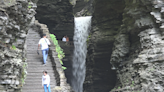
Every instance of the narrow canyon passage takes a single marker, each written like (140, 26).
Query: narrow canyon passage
(124, 35)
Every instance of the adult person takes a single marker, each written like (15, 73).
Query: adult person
(64, 39)
(44, 42)
(67, 38)
(46, 82)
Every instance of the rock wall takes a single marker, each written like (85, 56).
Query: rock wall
(106, 21)
(129, 35)
(138, 50)
(83, 7)
(15, 18)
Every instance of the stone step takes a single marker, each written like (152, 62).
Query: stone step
(33, 52)
(33, 55)
(29, 42)
(32, 45)
(33, 36)
(35, 90)
(52, 78)
(40, 66)
(38, 77)
(38, 63)
(32, 40)
(32, 32)
(39, 71)
(38, 81)
(36, 86)
(37, 60)
(36, 38)
(37, 57)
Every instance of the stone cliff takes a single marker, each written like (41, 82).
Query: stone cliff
(128, 36)
(15, 18)
(138, 49)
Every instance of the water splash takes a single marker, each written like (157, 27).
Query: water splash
(82, 28)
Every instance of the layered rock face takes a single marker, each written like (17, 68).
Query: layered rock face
(129, 34)
(15, 17)
(106, 21)
(138, 50)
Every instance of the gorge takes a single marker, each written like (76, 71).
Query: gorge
(124, 45)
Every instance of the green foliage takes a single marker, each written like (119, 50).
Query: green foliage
(88, 38)
(24, 71)
(29, 5)
(59, 50)
(61, 62)
(133, 82)
(13, 47)
(64, 67)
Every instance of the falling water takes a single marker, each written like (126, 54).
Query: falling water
(82, 28)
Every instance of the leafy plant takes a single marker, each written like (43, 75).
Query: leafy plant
(29, 6)
(59, 50)
(88, 38)
(24, 72)
(64, 67)
(13, 47)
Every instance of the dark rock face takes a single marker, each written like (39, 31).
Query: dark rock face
(57, 15)
(107, 18)
(83, 8)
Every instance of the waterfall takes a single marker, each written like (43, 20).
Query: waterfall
(82, 28)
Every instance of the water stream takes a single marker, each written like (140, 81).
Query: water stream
(82, 28)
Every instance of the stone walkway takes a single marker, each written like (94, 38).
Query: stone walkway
(35, 67)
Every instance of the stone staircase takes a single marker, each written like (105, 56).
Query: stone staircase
(35, 68)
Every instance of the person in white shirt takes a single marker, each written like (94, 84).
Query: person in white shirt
(44, 42)
(64, 39)
(46, 82)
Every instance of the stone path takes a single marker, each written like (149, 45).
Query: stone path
(35, 67)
